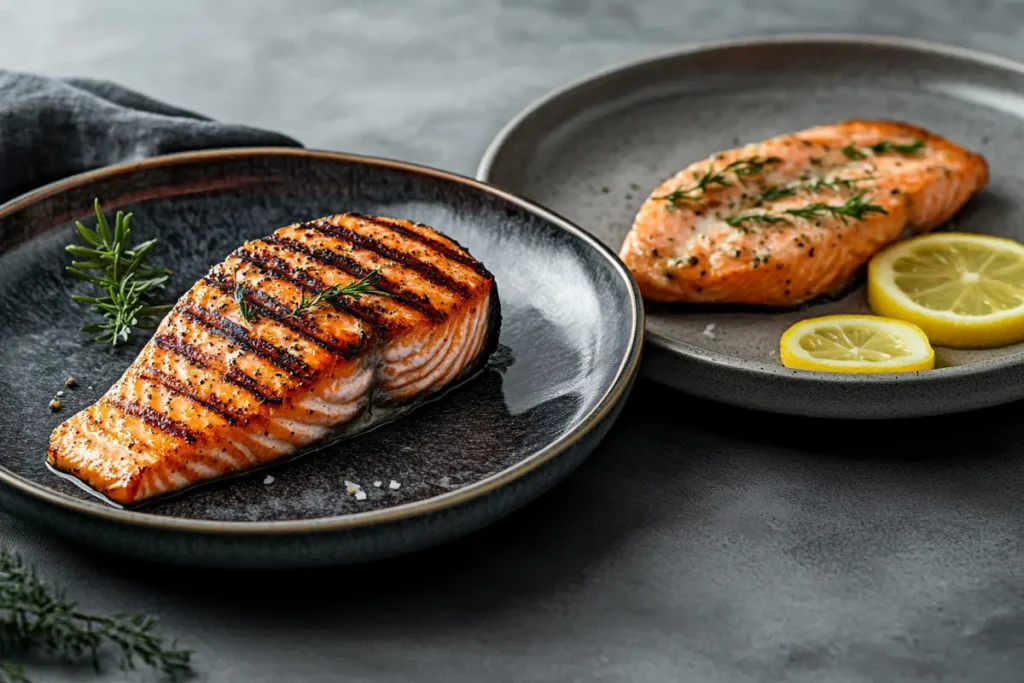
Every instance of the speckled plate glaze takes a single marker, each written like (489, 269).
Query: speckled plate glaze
(594, 150)
(568, 352)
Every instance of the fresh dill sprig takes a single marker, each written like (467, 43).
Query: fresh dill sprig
(836, 184)
(243, 306)
(37, 616)
(701, 184)
(749, 167)
(741, 169)
(779, 192)
(355, 290)
(122, 273)
(767, 218)
(814, 185)
(889, 146)
(854, 207)
(854, 154)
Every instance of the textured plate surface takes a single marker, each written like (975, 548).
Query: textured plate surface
(568, 352)
(594, 150)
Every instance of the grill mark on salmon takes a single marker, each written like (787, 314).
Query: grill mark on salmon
(349, 266)
(233, 376)
(266, 306)
(437, 246)
(157, 420)
(240, 337)
(429, 271)
(280, 268)
(213, 393)
(705, 248)
(178, 387)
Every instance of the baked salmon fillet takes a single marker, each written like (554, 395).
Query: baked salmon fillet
(785, 220)
(251, 365)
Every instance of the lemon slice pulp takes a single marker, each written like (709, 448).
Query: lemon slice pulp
(856, 343)
(963, 290)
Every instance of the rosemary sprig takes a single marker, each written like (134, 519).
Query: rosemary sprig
(854, 207)
(243, 306)
(37, 616)
(355, 290)
(741, 169)
(122, 273)
(854, 154)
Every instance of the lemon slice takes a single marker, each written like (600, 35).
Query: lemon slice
(963, 290)
(856, 343)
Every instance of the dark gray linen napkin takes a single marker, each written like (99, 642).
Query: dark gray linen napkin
(54, 128)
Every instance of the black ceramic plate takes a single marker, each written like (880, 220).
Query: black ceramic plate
(593, 150)
(568, 353)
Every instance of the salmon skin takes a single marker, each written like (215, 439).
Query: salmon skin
(246, 369)
(785, 220)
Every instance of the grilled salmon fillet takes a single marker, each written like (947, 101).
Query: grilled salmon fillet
(235, 377)
(785, 220)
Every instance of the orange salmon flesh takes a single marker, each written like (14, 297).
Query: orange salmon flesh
(213, 394)
(785, 220)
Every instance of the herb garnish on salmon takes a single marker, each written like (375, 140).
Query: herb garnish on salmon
(821, 203)
(321, 330)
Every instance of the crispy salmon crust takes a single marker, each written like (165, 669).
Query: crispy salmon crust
(787, 222)
(213, 393)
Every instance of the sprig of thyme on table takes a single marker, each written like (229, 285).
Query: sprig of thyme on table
(35, 616)
(741, 169)
(122, 272)
(355, 290)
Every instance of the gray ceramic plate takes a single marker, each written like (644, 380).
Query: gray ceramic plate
(568, 352)
(592, 152)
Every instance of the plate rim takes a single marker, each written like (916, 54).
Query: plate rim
(752, 368)
(615, 393)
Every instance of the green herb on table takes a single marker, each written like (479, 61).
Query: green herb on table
(128, 282)
(37, 617)
(741, 169)
(355, 290)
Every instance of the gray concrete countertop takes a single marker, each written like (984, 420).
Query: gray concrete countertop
(700, 543)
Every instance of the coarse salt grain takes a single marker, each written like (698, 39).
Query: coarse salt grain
(268, 480)
(377, 484)
(60, 393)
(709, 331)
(360, 495)
(394, 485)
